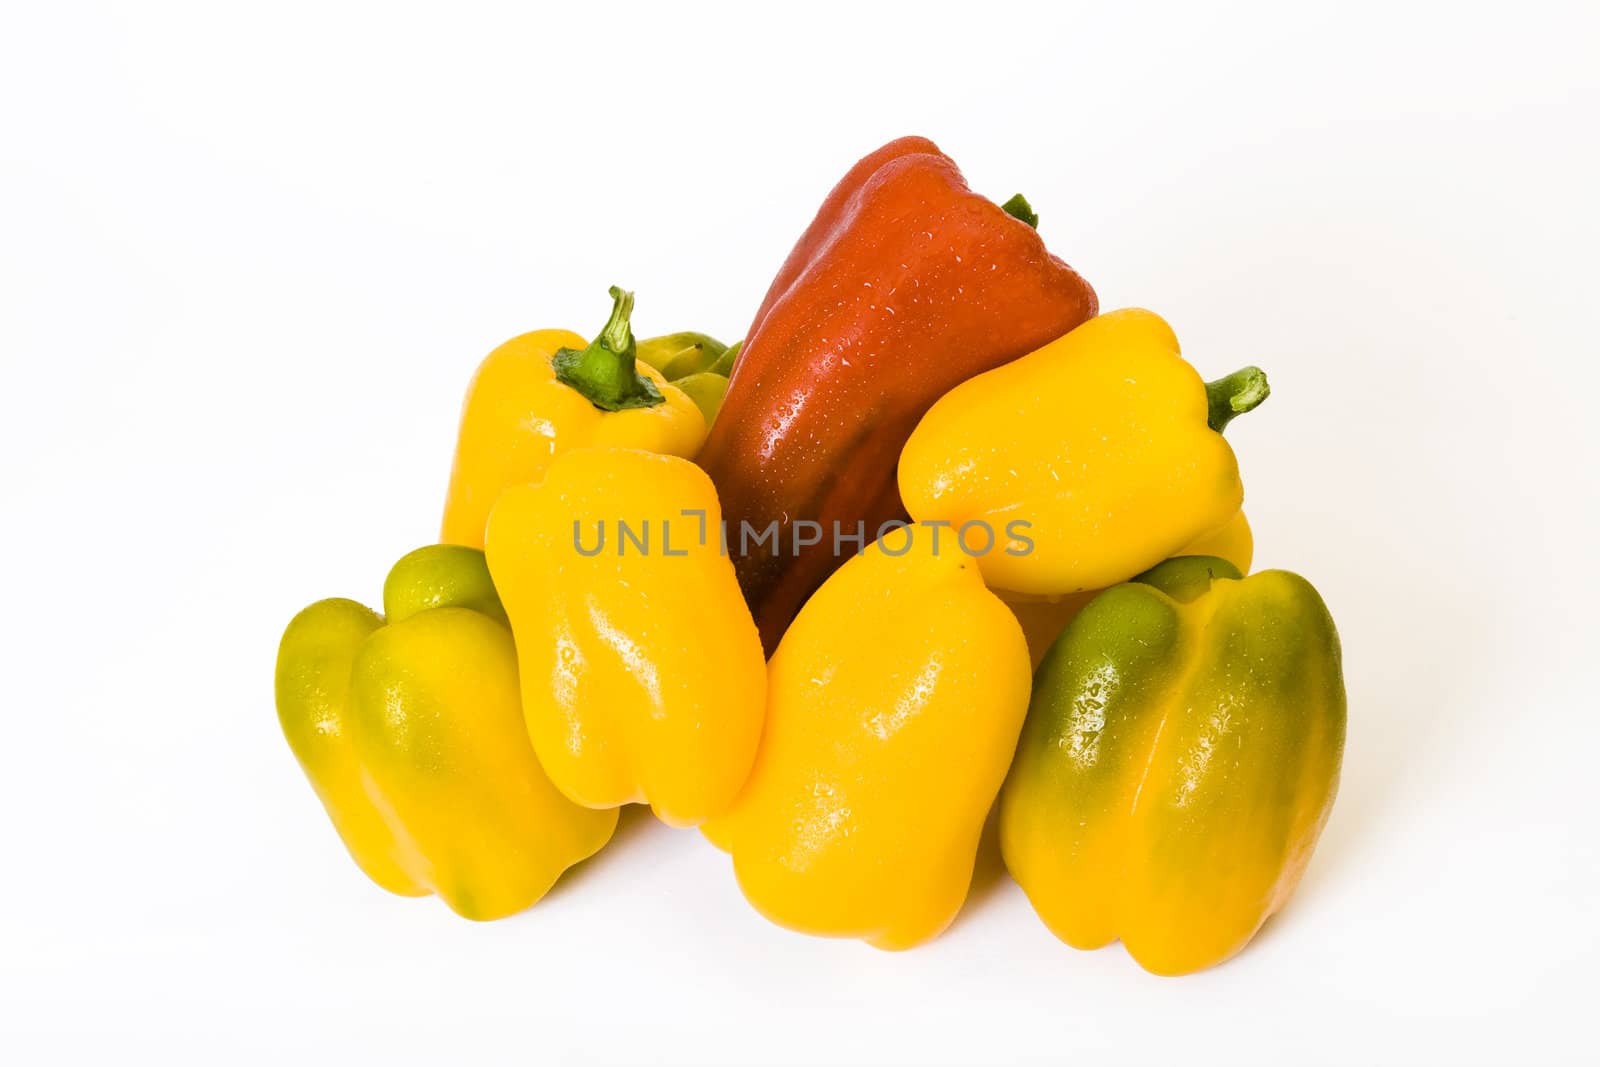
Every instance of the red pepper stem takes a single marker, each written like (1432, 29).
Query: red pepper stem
(607, 372)
(1235, 394)
(1019, 208)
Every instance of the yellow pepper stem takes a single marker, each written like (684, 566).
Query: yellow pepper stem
(607, 372)
(1235, 394)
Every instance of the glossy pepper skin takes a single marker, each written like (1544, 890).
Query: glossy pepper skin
(1044, 617)
(1105, 443)
(410, 732)
(1181, 755)
(893, 707)
(642, 674)
(905, 284)
(542, 393)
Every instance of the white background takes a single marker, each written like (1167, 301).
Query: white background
(248, 260)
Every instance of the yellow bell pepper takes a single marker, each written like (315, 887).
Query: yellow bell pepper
(1093, 459)
(1043, 618)
(1233, 541)
(893, 706)
(542, 393)
(1180, 757)
(642, 672)
(410, 732)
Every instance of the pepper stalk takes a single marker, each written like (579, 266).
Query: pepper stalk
(607, 372)
(1235, 394)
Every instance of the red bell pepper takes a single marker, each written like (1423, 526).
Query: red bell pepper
(906, 284)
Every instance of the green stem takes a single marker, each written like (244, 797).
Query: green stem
(1239, 392)
(1019, 208)
(607, 372)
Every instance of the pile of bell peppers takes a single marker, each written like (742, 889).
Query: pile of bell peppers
(998, 566)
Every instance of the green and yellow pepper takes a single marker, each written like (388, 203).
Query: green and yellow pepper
(696, 363)
(409, 729)
(642, 673)
(1093, 458)
(678, 355)
(542, 393)
(1180, 757)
